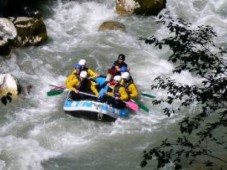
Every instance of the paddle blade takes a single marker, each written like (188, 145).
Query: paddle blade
(54, 92)
(148, 95)
(141, 105)
(58, 88)
(132, 106)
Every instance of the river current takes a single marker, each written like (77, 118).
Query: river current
(36, 134)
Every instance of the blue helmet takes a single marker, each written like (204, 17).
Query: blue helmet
(77, 66)
(124, 69)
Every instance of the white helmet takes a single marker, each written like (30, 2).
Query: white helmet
(117, 78)
(125, 75)
(82, 62)
(83, 74)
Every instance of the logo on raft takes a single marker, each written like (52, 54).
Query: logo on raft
(95, 107)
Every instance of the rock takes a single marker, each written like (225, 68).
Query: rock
(29, 88)
(7, 32)
(9, 84)
(139, 7)
(112, 25)
(4, 48)
(30, 31)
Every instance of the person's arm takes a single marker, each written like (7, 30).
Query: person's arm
(124, 95)
(117, 68)
(110, 91)
(116, 65)
(92, 74)
(71, 82)
(133, 91)
(94, 89)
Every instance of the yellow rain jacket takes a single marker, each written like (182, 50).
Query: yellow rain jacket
(119, 91)
(73, 82)
(131, 89)
(90, 72)
(76, 71)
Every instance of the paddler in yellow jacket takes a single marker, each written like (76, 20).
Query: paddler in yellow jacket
(77, 69)
(79, 83)
(81, 66)
(118, 94)
(129, 85)
(90, 72)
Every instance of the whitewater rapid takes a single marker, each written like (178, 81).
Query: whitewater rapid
(35, 134)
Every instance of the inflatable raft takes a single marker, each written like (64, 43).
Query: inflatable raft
(93, 110)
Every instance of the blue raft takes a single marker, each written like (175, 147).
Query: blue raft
(94, 110)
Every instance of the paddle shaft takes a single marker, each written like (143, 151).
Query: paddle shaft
(148, 95)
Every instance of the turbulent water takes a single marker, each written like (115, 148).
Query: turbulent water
(35, 133)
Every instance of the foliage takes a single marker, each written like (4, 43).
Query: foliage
(193, 50)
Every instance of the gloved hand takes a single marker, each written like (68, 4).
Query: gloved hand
(117, 98)
(76, 91)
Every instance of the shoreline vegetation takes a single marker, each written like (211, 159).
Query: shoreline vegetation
(203, 133)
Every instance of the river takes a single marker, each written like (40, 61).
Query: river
(36, 134)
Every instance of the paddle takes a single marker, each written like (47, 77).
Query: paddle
(57, 87)
(141, 105)
(147, 95)
(56, 92)
(132, 105)
(129, 104)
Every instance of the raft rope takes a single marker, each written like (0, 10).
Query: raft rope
(99, 108)
(100, 115)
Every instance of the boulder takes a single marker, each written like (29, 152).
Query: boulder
(139, 7)
(112, 25)
(9, 84)
(30, 31)
(7, 33)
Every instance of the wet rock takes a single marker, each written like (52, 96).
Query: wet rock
(112, 25)
(9, 84)
(29, 88)
(30, 31)
(139, 7)
(7, 33)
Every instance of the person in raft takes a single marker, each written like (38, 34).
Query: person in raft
(91, 73)
(117, 68)
(117, 94)
(127, 82)
(81, 83)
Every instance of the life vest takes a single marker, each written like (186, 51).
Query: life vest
(116, 63)
(126, 85)
(84, 85)
(116, 90)
(85, 69)
(113, 70)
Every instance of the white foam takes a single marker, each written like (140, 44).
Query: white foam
(36, 128)
(22, 153)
